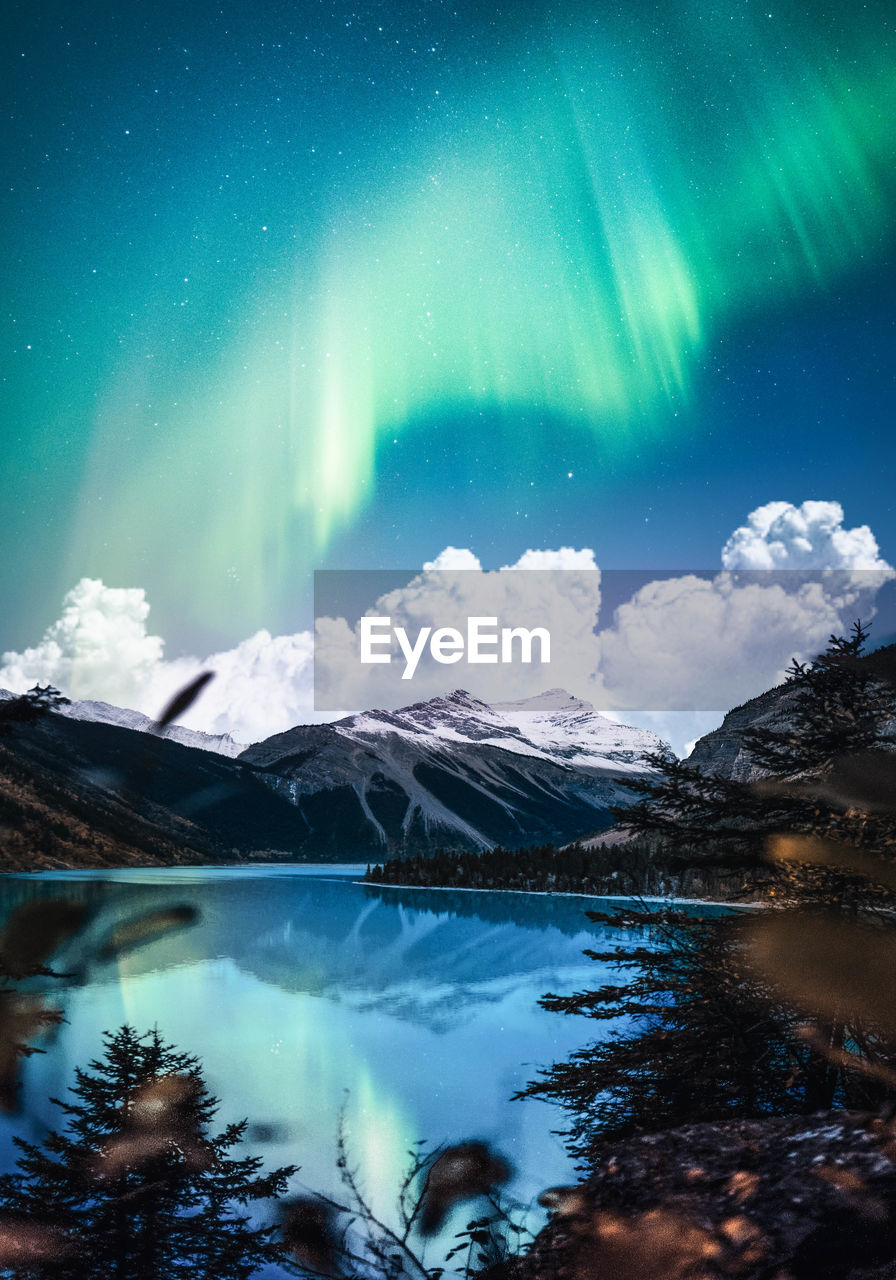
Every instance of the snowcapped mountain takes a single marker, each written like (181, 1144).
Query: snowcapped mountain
(449, 773)
(105, 713)
(555, 726)
(456, 771)
(565, 727)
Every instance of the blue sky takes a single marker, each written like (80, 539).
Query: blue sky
(302, 286)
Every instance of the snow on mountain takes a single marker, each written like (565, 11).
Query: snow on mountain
(452, 772)
(568, 728)
(105, 713)
(554, 726)
(455, 771)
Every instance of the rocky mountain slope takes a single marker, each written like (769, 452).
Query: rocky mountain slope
(80, 793)
(457, 771)
(94, 788)
(722, 751)
(105, 713)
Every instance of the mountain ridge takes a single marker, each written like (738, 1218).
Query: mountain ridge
(452, 770)
(455, 768)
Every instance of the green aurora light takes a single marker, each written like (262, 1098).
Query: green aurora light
(572, 243)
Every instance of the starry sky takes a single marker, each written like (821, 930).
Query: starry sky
(309, 285)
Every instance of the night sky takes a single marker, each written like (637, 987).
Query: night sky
(319, 285)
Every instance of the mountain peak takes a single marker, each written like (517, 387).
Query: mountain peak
(124, 718)
(556, 699)
(454, 771)
(553, 726)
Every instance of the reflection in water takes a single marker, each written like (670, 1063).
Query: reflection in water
(414, 1011)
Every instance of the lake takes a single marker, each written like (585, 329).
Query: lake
(308, 996)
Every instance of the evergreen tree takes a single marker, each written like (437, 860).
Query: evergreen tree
(841, 707)
(703, 1042)
(133, 1186)
(29, 707)
(708, 1040)
(836, 707)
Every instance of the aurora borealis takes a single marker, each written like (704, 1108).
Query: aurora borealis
(290, 286)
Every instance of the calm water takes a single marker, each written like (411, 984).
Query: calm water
(306, 994)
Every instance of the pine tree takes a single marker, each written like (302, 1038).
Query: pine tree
(841, 707)
(30, 707)
(700, 1041)
(133, 1186)
(710, 1039)
(837, 707)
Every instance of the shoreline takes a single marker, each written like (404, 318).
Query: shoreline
(349, 871)
(568, 893)
(346, 870)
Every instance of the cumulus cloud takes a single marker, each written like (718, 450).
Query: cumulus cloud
(779, 535)
(454, 558)
(530, 594)
(693, 643)
(100, 649)
(263, 686)
(791, 577)
(682, 647)
(563, 558)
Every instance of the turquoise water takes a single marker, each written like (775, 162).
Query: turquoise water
(307, 995)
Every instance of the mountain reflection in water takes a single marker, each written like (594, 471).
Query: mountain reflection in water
(306, 995)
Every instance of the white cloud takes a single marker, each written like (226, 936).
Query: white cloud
(100, 649)
(454, 558)
(563, 558)
(779, 535)
(792, 576)
(261, 687)
(99, 644)
(681, 647)
(529, 594)
(692, 643)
